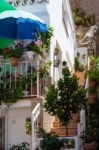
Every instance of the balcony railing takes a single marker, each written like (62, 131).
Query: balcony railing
(25, 2)
(27, 73)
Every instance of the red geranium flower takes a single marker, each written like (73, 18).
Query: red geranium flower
(7, 50)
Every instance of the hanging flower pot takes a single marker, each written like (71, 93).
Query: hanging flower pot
(56, 62)
(14, 61)
(30, 55)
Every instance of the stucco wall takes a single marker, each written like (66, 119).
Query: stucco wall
(66, 43)
(15, 132)
(51, 13)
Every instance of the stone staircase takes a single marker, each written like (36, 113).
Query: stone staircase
(72, 126)
(61, 130)
(34, 102)
(81, 76)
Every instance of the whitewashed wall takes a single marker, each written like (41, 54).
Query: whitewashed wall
(16, 126)
(51, 13)
(66, 43)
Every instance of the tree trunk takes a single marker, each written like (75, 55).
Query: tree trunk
(66, 130)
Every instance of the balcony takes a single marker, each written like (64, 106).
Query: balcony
(26, 74)
(26, 2)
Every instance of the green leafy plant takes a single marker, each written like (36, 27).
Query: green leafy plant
(44, 68)
(50, 141)
(65, 99)
(80, 17)
(93, 73)
(43, 47)
(69, 143)
(78, 65)
(17, 52)
(22, 146)
(28, 125)
(10, 91)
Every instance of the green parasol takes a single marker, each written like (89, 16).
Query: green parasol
(4, 42)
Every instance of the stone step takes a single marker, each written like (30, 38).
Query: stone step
(62, 131)
(72, 124)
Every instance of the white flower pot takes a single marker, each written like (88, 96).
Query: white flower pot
(30, 55)
(26, 93)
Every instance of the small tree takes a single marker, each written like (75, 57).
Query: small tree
(65, 99)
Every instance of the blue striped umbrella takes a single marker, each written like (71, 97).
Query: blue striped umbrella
(17, 24)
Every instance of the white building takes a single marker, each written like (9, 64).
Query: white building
(56, 13)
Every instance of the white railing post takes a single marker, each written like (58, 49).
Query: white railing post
(34, 116)
(38, 78)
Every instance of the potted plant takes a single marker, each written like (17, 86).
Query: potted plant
(78, 65)
(66, 99)
(50, 141)
(28, 125)
(89, 135)
(15, 55)
(22, 146)
(92, 95)
(10, 91)
(88, 140)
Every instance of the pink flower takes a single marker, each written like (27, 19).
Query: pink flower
(38, 42)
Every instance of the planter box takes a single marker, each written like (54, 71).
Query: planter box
(92, 98)
(89, 146)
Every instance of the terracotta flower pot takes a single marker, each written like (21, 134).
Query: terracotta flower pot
(92, 84)
(14, 61)
(89, 146)
(30, 55)
(92, 98)
(34, 90)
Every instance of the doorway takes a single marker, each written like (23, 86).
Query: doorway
(2, 133)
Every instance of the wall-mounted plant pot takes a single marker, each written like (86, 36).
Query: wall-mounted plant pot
(56, 51)
(14, 61)
(78, 54)
(56, 62)
(92, 98)
(30, 55)
(64, 63)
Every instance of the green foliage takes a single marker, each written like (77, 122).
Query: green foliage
(17, 52)
(22, 146)
(50, 141)
(89, 134)
(80, 18)
(92, 90)
(69, 143)
(45, 37)
(78, 66)
(10, 92)
(28, 125)
(94, 71)
(44, 68)
(65, 99)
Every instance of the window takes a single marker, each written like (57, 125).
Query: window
(64, 17)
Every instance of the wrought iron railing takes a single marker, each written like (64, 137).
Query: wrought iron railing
(25, 2)
(28, 74)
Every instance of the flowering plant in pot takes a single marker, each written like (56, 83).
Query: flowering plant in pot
(88, 136)
(13, 54)
(42, 42)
